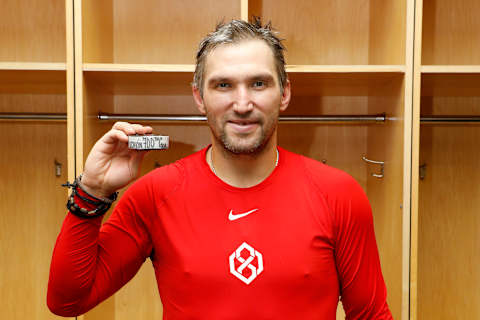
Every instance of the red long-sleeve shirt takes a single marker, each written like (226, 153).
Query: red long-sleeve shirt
(286, 248)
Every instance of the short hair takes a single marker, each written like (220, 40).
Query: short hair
(234, 32)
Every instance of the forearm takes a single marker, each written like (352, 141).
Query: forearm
(89, 264)
(74, 261)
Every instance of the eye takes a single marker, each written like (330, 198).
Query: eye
(259, 84)
(223, 85)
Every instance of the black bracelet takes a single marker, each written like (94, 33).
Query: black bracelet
(109, 199)
(102, 205)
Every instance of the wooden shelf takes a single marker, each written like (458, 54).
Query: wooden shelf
(346, 68)
(119, 67)
(450, 69)
(40, 66)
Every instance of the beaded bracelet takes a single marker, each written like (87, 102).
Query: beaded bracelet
(102, 204)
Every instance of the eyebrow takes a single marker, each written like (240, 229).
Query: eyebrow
(262, 76)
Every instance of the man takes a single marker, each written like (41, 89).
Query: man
(241, 229)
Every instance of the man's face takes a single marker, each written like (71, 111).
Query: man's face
(242, 96)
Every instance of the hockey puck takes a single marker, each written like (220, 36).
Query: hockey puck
(148, 142)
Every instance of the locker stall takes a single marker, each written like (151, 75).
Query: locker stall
(34, 159)
(411, 66)
(446, 193)
(345, 58)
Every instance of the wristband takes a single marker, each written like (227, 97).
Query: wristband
(102, 205)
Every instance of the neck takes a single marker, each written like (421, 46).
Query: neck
(242, 170)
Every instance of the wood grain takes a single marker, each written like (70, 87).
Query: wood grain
(385, 143)
(451, 32)
(158, 32)
(32, 31)
(32, 91)
(448, 223)
(346, 32)
(417, 54)
(32, 206)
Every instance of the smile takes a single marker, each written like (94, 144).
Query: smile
(242, 126)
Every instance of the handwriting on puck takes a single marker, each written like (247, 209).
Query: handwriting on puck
(148, 142)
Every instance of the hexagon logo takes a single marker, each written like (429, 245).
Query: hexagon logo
(246, 263)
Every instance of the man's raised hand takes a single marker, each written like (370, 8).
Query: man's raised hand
(110, 164)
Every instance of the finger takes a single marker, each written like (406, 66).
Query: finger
(148, 129)
(125, 127)
(139, 129)
(114, 135)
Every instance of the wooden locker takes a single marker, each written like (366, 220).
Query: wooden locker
(445, 193)
(344, 58)
(36, 155)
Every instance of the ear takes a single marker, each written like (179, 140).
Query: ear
(198, 100)
(285, 100)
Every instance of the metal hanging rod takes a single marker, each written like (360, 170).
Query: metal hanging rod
(197, 118)
(381, 118)
(449, 119)
(33, 116)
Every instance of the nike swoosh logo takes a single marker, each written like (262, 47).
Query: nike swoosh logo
(233, 217)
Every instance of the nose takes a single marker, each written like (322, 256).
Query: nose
(242, 100)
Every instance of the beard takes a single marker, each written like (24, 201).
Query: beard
(251, 143)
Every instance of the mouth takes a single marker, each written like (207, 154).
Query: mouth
(243, 125)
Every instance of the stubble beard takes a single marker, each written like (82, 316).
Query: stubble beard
(243, 146)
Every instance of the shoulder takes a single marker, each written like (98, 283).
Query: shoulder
(341, 192)
(167, 179)
(327, 179)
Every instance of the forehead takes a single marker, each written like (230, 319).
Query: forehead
(240, 58)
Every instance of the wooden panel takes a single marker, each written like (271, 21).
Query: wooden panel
(33, 91)
(70, 88)
(385, 143)
(387, 32)
(417, 54)
(32, 30)
(408, 153)
(32, 206)
(451, 32)
(97, 18)
(450, 85)
(139, 299)
(337, 32)
(449, 198)
(154, 32)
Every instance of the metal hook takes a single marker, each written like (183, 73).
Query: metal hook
(324, 161)
(382, 165)
(423, 171)
(58, 168)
